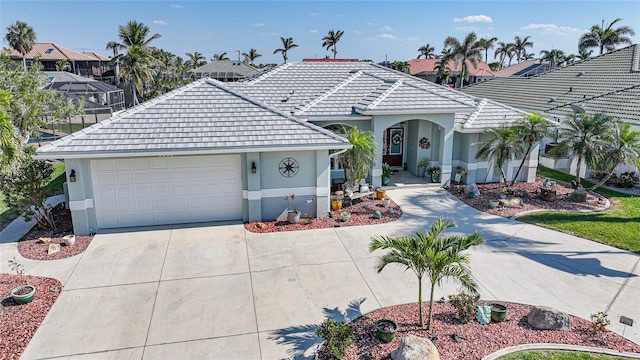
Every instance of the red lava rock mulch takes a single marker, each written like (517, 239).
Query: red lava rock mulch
(476, 341)
(360, 215)
(29, 248)
(20, 322)
(530, 199)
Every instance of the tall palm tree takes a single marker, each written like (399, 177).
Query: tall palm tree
(585, 138)
(252, 55)
(115, 47)
(331, 41)
(427, 51)
(520, 46)
(443, 70)
(529, 131)
(487, 44)
(623, 147)
(357, 161)
(219, 57)
(427, 253)
(137, 67)
(196, 60)
(500, 147)
(287, 44)
(136, 34)
(606, 38)
(467, 50)
(504, 50)
(21, 38)
(555, 57)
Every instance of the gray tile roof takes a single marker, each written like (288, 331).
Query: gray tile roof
(608, 84)
(226, 69)
(202, 117)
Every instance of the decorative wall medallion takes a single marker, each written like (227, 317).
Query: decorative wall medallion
(288, 167)
(424, 143)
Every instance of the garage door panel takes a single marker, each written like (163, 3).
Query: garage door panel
(151, 191)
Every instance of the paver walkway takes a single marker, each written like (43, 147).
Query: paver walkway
(220, 292)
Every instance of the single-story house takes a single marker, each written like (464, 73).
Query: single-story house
(232, 151)
(225, 70)
(426, 69)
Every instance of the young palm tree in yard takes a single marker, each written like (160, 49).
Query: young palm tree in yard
(584, 137)
(357, 160)
(428, 254)
(467, 50)
(252, 55)
(287, 44)
(530, 131)
(501, 147)
(606, 38)
(63, 65)
(622, 147)
(21, 38)
(427, 51)
(331, 41)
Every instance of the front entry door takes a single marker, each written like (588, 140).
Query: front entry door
(393, 145)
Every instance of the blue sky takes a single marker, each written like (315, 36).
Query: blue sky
(373, 29)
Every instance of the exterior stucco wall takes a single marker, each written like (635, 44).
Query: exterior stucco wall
(81, 197)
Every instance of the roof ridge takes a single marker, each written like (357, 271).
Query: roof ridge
(328, 93)
(595, 97)
(386, 93)
(270, 73)
(472, 117)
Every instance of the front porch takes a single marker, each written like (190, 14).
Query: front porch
(403, 179)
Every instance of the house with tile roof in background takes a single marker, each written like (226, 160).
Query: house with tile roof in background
(213, 151)
(525, 68)
(225, 70)
(426, 69)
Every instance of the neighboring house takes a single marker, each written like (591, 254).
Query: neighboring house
(525, 68)
(607, 84)
(426, 69)
(211, 151)
(87, 64)
(225, 70)
(99, 96)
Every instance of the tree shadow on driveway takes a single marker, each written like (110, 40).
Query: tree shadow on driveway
(574, 265)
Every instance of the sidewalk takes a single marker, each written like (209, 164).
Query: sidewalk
(20, 227)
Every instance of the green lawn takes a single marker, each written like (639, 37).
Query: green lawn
(617, 227)
(54, 187)
(559, 355)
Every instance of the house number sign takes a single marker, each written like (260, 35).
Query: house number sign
(288, 167)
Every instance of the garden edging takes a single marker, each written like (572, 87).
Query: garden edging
(606, 206)
(561, 347)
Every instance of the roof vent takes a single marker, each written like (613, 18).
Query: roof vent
(353, 110)
(477, 101)
(581, 73)
(553, 99)
(353, 71)
(48, 51)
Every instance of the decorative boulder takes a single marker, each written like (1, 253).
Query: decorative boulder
(580, 195)
(548, 318)
(415, 348)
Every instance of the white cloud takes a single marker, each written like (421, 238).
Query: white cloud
(314, 31)
(474, 19)
(369, 23)
(258, 25)
(176, 6)
(553, 29)
(315, 14)
(386, 28)
(357, 32)
(159, 22)
(385, 36)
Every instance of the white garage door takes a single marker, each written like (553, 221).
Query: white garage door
(168, 190)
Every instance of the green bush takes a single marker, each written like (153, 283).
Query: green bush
(336, 336)
(599, 321)
(465, 304)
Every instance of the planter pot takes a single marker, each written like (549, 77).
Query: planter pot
(377, 214)
(435, 178)
(386, 202)
(385, 180)
(336, 205)
(498, 312)
(23, 294)
(471, 195)
(380, 194)
(345, 216)
(386, 330)
(364, 188)
(293, 217)
(421, 172)
(494, 203)
(69, 240)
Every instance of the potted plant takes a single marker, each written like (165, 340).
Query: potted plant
(380, 193)
(422, 166)
(386, 174)
(293, 215)
(345, 216)
(386, 330)
(386, 201)
(336, 204)
(498, 312)
(336, 336)
(434, 171)
(494, 203)
(69, 240)
(24, 293)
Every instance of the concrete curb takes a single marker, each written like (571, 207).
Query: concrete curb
(556, 347)
(606, 206)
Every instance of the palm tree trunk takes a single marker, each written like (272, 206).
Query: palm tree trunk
(578, 166)
(433, 286)
(420, 301)
(526, 155)
(601, 182)
(24, 62)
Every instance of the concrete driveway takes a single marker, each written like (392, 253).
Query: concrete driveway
(220, 292)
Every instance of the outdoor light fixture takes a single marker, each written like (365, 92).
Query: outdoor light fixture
(72, 176)
(253, 167)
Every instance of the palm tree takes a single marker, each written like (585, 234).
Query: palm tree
(63, 65)
(21, 38)
(444, 71)
(357, 161)
(137, 67)
(555, 57)
(623, 147)
(529, 131)
(504, 50)
(528, 56)
(584, 54)
(426, 253)
(252, 55)
(8, 138)
(115, 47)
(584, 137)
(606, 38)
(487, 44)
(402, 66)
(427, 51)
(331, 40)
(287, 44)
(467, 50)
(136, 34)
(219, 57)
(196, 60)
(500, 147)
(520, 46)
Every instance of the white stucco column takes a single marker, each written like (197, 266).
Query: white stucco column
(446, 149)
(378, 128)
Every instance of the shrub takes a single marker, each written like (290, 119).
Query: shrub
(599, 321)
(465, 304)
(336, 336)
